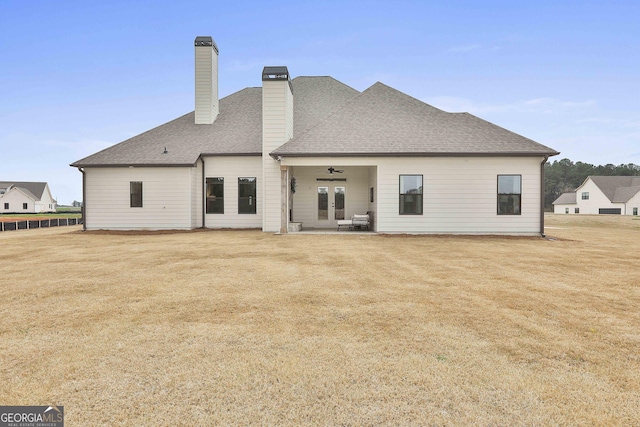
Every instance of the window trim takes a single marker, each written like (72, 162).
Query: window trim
(498, 194)
(585, 195)
(576, 210)
(255, 195)
(25, 206)
(206, 211)
(131, 194)
(421, 194)
(6, 205)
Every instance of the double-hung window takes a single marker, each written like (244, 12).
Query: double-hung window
(135, 194)
(410, 194)
(509, 194)
(215, 195)
(585, 195)
(246, 195)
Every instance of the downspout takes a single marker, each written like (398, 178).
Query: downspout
(204, 192)
(83, 210)
(542, 195)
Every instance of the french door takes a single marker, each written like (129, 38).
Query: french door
(331, 204)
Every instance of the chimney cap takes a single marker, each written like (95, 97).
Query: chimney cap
(275, 73)
(206, 41)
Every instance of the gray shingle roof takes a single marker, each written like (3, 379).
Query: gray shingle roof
(618, 189)
(384, 121)
(330, 118)
(236, 131)
(35, 189)
(566, 199)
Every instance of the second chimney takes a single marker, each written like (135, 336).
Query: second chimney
(206, 88)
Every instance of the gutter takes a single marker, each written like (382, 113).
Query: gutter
(204, 192)
(544, 160)
(84, 199)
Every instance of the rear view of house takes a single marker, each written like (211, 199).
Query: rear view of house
(314, 151)
(25, 197)
(598, 195)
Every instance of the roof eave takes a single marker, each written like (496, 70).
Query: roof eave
(130, 165)
(415, 154)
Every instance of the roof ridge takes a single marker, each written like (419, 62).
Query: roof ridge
(327, 116)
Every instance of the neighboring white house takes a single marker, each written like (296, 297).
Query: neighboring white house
(617, 195)
(314, 151)
(25, 197)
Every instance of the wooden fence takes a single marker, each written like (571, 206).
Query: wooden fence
(29, 224)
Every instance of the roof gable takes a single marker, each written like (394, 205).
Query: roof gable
(618, 189)
(34, 190)
(384, 121)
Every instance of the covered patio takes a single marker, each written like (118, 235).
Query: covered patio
(319, 196)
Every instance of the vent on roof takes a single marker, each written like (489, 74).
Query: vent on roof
(275, 73)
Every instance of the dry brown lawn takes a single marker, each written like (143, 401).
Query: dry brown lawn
(246, 328)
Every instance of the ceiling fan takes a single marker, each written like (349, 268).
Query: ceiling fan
(331, 170)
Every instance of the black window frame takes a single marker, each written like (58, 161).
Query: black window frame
(635, 211)
(214, 203)
(518, 210)
(25, 206)
(585, 195)
(402, 197)
(247, 201)
(576, 210)
(135, 199)
(6, 205)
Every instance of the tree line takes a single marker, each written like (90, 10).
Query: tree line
(563, 176)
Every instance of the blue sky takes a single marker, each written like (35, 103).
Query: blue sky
(79, 76)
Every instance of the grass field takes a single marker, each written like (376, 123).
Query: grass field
(245, 328)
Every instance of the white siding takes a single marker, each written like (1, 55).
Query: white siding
(197, 195)
(166, 198)
(46, 203)
(277, 128)
(562, 209)
(232, 168)
(634, 202)
(460, 193)
(597, 199)
(206, 84)
(16, 198)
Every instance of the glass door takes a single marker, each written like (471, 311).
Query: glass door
(331, 205)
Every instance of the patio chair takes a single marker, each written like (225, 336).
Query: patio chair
(360, 221)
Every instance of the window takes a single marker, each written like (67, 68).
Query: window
(6, 205)
(215, 195)
(135, 194)
(410, 194)
(25, 206)
(371, 194)
(585, 195)
(246, 195)
(509, 194)
(566, 210)
(635, 211)
(576, 210)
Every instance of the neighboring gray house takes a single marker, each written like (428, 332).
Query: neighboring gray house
(314, 150)
(617, 195)
(25, 197)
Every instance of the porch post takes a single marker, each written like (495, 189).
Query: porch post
(284, 199)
